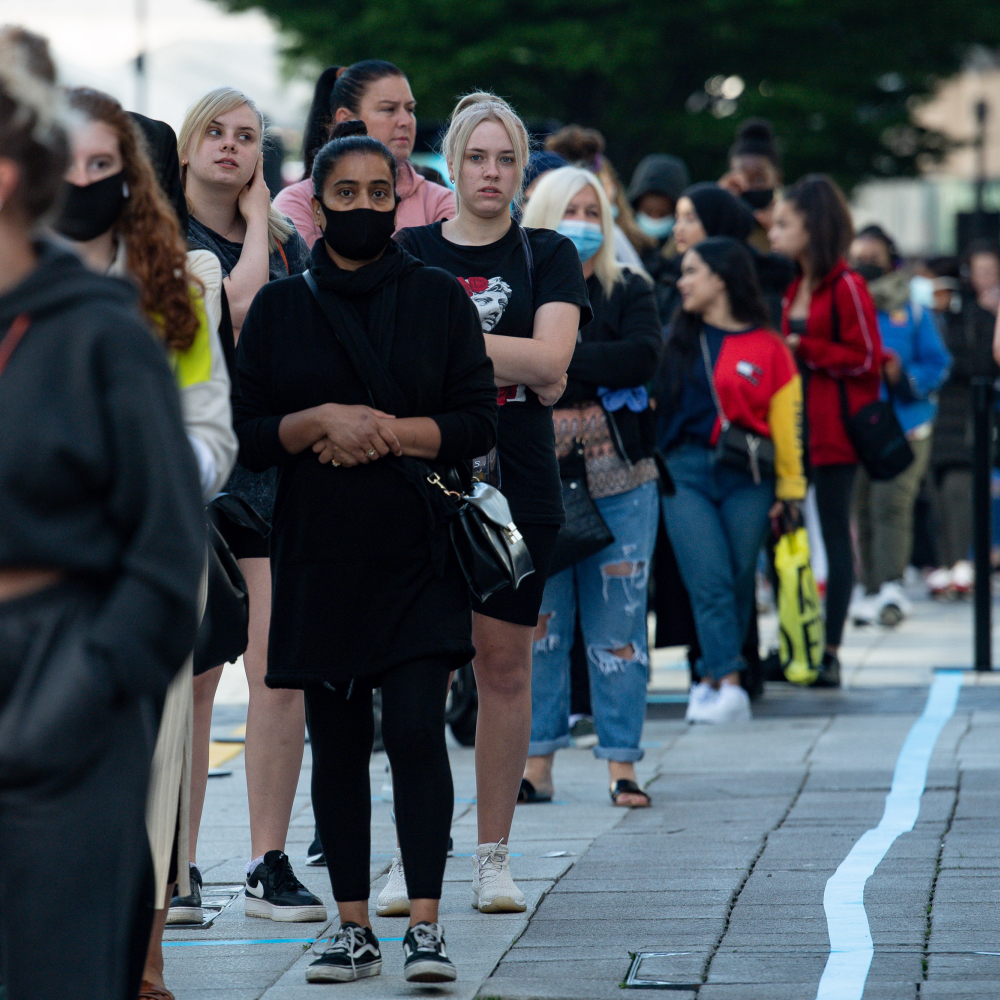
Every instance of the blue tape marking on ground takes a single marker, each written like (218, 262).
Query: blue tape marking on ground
(851, 948)
(202, 944)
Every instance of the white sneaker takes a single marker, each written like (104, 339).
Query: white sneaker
(861, 610)
(939, 581)
(493, 889)
(731, 705)
(394, 899)
(963, 576)
(891, 604)
(699, 698)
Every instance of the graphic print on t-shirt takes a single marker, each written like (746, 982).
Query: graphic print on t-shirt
(490, 297)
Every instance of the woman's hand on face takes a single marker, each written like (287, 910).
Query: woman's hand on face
(549, 395)
(255, 199)
(355, 435)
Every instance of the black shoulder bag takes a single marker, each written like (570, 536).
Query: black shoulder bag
(490, 550)
(874, 430)
(737, 447)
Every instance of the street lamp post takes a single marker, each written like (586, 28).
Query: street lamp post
(141, 82)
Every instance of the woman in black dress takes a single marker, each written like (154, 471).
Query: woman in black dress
(367, 591)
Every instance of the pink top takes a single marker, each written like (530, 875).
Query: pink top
(423, 202)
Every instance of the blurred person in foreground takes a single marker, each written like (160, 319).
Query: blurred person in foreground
(604, 424)
(102, 544)
(656, 185)
(829, 323)
(914, 365)
(968, 336)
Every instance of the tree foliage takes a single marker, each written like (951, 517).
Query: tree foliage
(838, 78)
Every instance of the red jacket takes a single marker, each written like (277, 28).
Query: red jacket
(856, 360)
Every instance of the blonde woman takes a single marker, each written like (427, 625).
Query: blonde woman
(231, 215)
(605, 412)
(528, 287)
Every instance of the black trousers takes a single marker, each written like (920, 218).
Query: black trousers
(76, 885)
(834, 488)
(341, 731)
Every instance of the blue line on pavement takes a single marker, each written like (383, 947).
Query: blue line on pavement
(201, 944)
(851, 948)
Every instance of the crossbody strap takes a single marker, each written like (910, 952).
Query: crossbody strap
(530, 258)
(706, 356)
(12, 338)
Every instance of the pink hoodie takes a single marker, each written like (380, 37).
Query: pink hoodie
(423, 203)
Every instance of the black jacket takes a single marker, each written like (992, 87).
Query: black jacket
(97, 476)
(619, 349)
(355, 586)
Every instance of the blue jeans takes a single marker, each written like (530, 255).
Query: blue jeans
(717, 521)
(609, 589)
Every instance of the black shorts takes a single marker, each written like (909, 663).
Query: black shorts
(244, 543)
(520, 607)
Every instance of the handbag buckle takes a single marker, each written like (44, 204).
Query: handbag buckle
(435, 480)
(513, 535)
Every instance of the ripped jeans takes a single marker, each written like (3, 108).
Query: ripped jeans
(609, 590)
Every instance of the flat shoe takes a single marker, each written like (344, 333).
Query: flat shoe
(528, 793)
(147, 991)
(625, 786)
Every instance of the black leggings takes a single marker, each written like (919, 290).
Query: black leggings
(341, 731)
(834, 487)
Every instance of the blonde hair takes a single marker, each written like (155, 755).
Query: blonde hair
(199, 116)
(470, 112)
(547, 206)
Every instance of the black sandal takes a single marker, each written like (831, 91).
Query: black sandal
(625, 786)
(528, 793)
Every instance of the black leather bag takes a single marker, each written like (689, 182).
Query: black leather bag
(738, 447)
(223, 633)
(585, 532)
(490, 550)
(874, 430)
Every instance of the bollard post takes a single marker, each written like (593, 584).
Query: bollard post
(982, 406)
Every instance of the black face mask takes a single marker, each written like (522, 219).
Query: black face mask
(358, 233)
(870, 272)
(94, 209)
(758, 199)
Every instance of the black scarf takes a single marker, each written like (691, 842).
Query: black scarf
(364, 303)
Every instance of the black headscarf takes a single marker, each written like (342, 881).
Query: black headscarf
(720, 213)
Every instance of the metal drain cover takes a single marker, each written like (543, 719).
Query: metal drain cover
(645, 970)
(215, 897)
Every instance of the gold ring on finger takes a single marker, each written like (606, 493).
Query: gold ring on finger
(370, 453)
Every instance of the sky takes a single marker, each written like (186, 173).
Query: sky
(193, 45)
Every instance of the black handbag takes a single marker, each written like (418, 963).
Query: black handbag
(738, 447)
(585, 532)
(874, 430)
(490, 550)
(223, 632)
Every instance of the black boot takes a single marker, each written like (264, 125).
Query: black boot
(829, 672)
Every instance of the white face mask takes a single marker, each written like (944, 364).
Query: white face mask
(659, 229)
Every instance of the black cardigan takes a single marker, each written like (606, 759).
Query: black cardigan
(355, 591)
(97, 476)
(619, 349)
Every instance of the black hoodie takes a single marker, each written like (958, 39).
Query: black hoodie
(97, 477)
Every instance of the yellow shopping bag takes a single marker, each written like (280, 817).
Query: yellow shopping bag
(800, 616)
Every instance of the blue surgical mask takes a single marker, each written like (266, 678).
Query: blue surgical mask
(588, 237)
(614, 211)
(659, 229)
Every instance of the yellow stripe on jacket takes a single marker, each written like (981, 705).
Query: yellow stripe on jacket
(784, 418)
(195, 364)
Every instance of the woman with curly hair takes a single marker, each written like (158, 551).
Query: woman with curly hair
(123, 225)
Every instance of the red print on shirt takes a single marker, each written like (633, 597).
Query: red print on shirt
(490, 297)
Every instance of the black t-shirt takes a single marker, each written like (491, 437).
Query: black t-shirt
(498, 280)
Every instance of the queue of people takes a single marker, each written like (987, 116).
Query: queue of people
(669, 359)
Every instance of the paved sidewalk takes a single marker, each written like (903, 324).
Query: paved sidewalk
(725, 873)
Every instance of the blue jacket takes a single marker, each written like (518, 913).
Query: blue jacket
(911, 333)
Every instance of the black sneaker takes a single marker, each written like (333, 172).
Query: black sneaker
(829, 672)
(273, 891)
(187, 909)
(425, 960)
(315, 856)
(353, 953)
